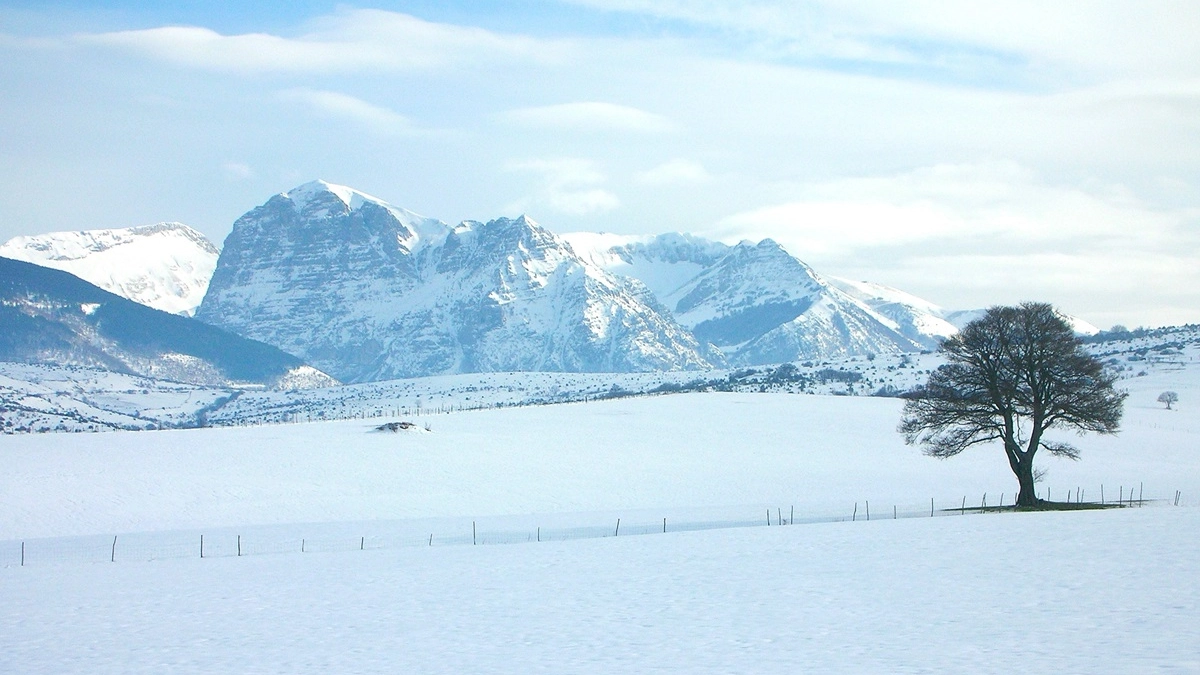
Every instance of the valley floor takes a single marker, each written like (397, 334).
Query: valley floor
(1082, 592)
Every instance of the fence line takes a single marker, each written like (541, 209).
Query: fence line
(296, 540)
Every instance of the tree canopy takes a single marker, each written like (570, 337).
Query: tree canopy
(1011, 376)
(1168, 397)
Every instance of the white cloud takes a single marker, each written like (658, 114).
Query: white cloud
(349, 40)
(565, 185)
(980, 202)
(1090, 36)
(590, 116)
(674, 172)
(238, 171)
(348, 108)
(958, 233)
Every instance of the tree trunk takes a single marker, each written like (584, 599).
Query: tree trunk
(1027, 495)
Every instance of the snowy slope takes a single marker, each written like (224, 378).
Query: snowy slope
(53, 317)
(165, 266)
(367, 291)
(918, 319)
(761, 305)
(662, 262)
(753, 301)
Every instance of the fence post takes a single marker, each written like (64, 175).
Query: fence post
(113, 558)
(201, 547)
(792, 516)
(239, 545)
(664, 525)
(868, 510)
(931, 507)
(362, 542)
(302, 546)
(854, 516)
(618, 530)
(22, 554)
(768, 517)
(963, 510)
(473, 540)
(894, 515)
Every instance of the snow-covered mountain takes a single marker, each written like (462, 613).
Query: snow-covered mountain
(919, 320)
(165, 266)
(754, 301)
(368, 291)
(51, 316)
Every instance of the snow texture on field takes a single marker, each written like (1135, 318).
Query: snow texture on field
(685, 451)
(1096, 592)
(1081, 592)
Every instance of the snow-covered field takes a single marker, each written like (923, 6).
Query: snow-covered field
(1085, 592)
(1050, 593)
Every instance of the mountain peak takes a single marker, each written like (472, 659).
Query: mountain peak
(318, 193)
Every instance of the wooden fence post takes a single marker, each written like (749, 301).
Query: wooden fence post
(113, 558)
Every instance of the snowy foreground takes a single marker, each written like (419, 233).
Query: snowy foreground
(1109, 591)
(1064, 593)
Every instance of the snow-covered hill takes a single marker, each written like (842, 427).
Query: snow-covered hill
(52, 317)
(165, 266)
(368, 291)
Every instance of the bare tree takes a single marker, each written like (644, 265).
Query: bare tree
(1168, 397)
(1012, 375)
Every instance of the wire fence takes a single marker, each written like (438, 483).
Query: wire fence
(380, 535)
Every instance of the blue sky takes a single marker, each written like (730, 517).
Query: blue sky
(969, 153)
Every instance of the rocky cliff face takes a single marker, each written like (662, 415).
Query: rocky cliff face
(367, 291)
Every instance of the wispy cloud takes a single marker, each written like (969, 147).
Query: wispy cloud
(565, 185)
(344, 107)
(978, 41)
(945, 203)
(590, 116)
(351, 40)
(238, 171)
(674, 172)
